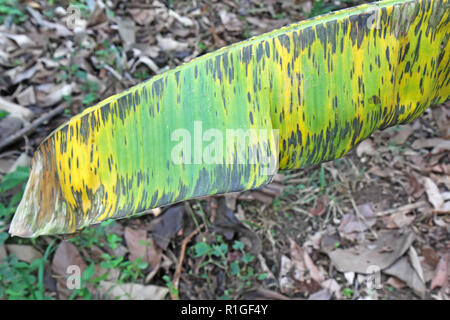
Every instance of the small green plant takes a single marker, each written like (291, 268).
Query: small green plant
(347, 292)
(202, 47)
(92, 92)
(218, 254)
(8, 205)
(279, 16)
(320, 7)
(3, 114)
(113, 240)
(130, 271)
(90, 88)
(11, 11)
(18, 279)
(110, 55)
(94, 236)
(142, 75)
(9, 182)
(23, 281)
(13, 179)
(173, 291)
(87, 278)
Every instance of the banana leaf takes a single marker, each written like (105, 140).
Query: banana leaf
(227, 121)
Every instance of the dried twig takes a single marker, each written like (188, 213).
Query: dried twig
(32, 126)
(438, 211)
(360, 216)
(404, 208)
(176, 277)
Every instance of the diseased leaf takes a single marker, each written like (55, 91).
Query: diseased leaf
(305, 94)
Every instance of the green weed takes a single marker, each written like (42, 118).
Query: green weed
(12, 12)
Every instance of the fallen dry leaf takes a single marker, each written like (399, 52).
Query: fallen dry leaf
(16, 110)
(442, 116)
(333, 287)
(366, 147)
(438, 144)
(415, 262)
(21, 40)
(396, 283)
(263, 294)
(399, 219)
(231, 21)
(314, 240)
(382, 253)
(23, 252)
(428, 270)
(304, 266)
(66, 255)
(322, 294)
(127, 31)
(442, 146)
(433, 193)
(27, 97)
(56, 94)
(60, 29)
(414, 188)
(132, 291)
(185, 21)
(384, 173)
(441, 276)
(135, 240)
(140, 246)
(328, 242)
(9, 126)
(287, 284)
(166, 226)
(321, 206)
(226, 223)
(142, 16)
(402, 135)
(20, 73)
(148, 62)
(430, 255)
(403, 270)
(352, 225)
(170, 44)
